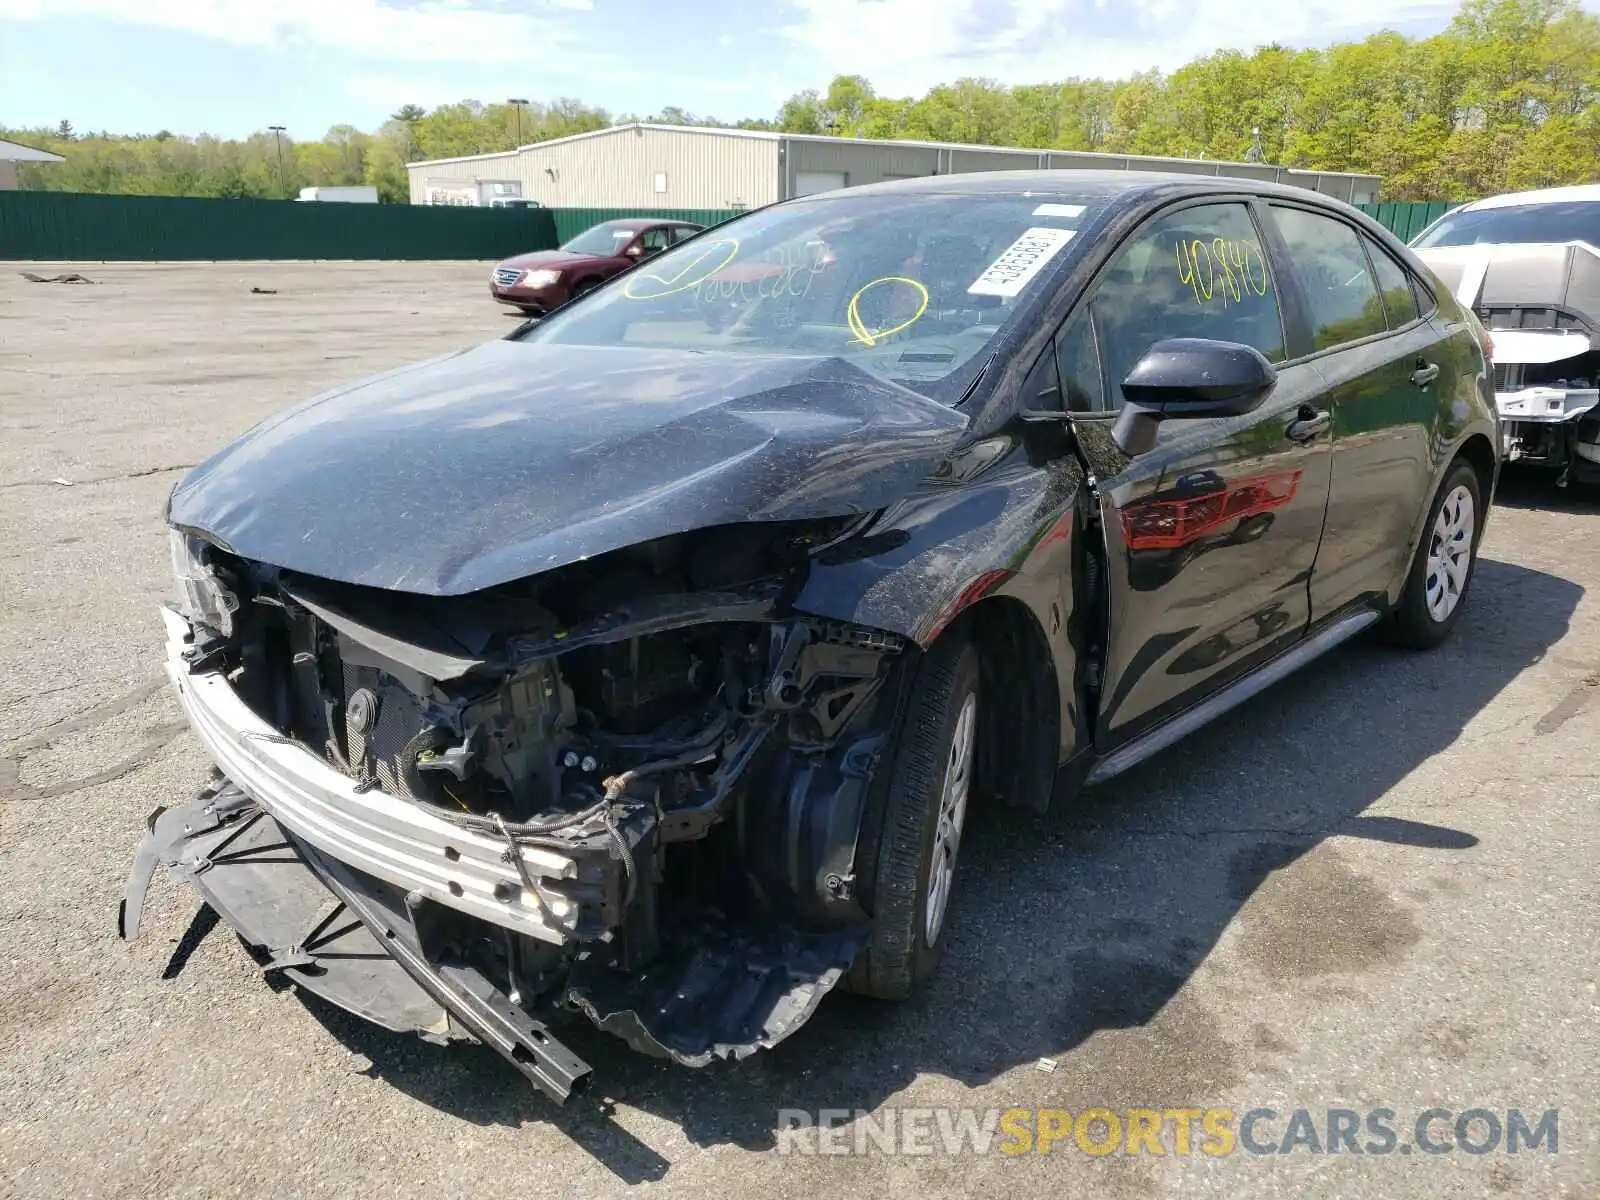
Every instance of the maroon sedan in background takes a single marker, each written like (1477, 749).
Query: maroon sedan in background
(543, 280)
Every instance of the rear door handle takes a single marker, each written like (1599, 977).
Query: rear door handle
(1307, 424)
(1425, 373)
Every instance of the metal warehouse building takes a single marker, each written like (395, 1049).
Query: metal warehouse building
(669, 166)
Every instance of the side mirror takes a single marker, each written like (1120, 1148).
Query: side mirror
(634, 252)
(1187, 378)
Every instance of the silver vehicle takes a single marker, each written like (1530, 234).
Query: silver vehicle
(1528, 264)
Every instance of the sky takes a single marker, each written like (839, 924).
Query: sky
(230, 67)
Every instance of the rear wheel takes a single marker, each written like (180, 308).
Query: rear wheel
(912, 848)
(1436, 588)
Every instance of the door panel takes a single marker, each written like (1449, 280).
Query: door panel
(1212, 534)
(1363, 317)
(1382, 466)
(1210, 538)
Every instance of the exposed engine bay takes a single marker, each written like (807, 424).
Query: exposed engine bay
(1551, 411)
(632, 785)
(1541, 305)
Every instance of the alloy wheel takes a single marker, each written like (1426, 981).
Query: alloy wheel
(952, 815)
(1450, 553)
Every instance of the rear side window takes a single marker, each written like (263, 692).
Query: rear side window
(1199, 273)
(1399, 300)
(683, 233)
(1331, 268)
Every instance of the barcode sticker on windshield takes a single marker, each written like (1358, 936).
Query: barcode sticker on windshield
(1022, 260)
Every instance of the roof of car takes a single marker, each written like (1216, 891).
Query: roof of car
(1558, 195)
(1096, 185)
(644, 222)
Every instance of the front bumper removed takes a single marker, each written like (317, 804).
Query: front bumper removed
(356, 896)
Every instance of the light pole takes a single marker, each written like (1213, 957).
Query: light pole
(518, 105)
(283, 179)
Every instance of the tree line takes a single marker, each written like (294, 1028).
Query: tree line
(1506, 97)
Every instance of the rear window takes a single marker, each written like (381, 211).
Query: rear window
(1567, 221)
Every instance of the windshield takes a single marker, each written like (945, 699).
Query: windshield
(1569, 221)
(606, 239)
(910, 288)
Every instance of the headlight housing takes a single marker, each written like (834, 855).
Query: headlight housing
(542, 277)
(202, 598)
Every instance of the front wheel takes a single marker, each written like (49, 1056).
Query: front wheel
(912, 844)
(1436, 587)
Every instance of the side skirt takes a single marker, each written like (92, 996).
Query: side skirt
(1185, 723)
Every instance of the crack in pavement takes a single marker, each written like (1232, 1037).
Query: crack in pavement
(154, 740)
(97, 715)
(140, 474)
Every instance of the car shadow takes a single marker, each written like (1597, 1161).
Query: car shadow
(1538, 491)
(1071, 927)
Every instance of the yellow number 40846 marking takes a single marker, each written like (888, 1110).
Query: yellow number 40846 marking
(1228, 270)
(870, 337)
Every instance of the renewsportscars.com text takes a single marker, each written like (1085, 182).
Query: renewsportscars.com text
(1216, 1132)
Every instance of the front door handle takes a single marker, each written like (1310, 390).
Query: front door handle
(1307, 424)
(1425, 373)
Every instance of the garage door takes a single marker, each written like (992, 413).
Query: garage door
(809, 183)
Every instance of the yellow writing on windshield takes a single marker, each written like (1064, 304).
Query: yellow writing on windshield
(700, 266)
(1222, 269)
(870, 337)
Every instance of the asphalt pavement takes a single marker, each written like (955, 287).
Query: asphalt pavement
(1373, 887)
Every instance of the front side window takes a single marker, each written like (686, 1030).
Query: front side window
(1197, 273)
(1331, 269)
(653, 241)
(910, 287)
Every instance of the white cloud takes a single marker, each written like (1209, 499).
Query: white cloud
(434, 30)
(907, 46)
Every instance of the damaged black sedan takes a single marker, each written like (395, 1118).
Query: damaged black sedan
(644, 664)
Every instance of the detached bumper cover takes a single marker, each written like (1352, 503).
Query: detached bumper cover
(336, 933)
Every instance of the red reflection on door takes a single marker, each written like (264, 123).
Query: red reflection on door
(1169, 520)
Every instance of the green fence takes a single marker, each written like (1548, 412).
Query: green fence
(1406, 220)
(82, 227)
(570, 222)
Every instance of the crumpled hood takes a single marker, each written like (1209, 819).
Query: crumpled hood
(517, 457)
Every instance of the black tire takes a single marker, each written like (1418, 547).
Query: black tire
(584, 288)
(898, 847)
(1412, 624)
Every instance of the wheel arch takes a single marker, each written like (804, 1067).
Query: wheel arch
(1479, 451)
(1019, 713)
